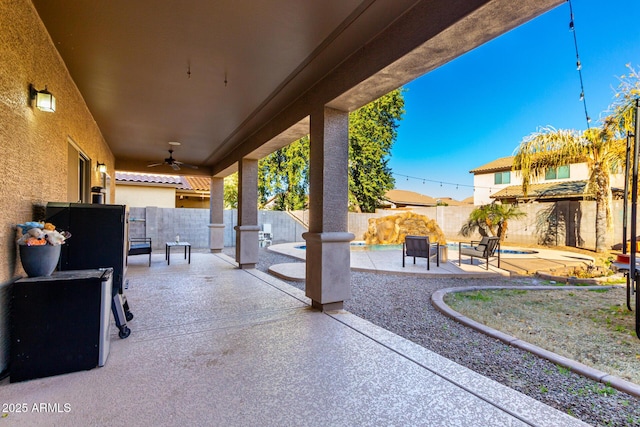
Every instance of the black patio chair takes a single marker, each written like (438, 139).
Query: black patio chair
(139, 246)
(483, 249)
(420, 247)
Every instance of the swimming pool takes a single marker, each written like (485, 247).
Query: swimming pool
(361, 246)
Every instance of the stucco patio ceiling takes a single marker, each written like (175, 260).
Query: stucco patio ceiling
(224, 77)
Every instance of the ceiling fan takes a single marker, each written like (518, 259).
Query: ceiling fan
(175, 164)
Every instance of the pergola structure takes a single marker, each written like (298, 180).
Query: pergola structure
(234, 81)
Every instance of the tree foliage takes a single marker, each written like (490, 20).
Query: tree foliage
(283, 176)
(603, 148)
(623, 107)
(372, 132)
(491, 220)
(231, 191)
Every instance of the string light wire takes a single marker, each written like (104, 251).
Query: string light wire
(437, 181)
(572, 28)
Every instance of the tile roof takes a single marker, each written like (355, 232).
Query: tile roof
(186, 183)
(147, 178)
(198, 183)
(412, 198)
(555, 190)
(501, 164)
(453, 202)
(467, 201)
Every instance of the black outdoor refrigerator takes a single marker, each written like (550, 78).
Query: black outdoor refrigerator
(60, 323)
(98, 240)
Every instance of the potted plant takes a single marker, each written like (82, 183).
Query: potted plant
(39, 247)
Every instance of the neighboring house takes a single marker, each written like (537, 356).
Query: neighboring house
(163, 191)
(467, 201)
(496, 181)
(403, 198)
(193, 193)
(448, 201)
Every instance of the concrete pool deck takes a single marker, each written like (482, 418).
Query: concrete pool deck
(390, 262)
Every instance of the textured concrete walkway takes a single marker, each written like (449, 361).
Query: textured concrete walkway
(218, 346)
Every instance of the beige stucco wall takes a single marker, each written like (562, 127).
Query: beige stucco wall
(33, 169)
(484, 186)
(138, 196)
(191, 201)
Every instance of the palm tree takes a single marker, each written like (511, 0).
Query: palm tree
(623, 107)
(490, 220)
(601, 148)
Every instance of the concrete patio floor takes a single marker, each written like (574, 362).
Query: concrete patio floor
(215, 345)
(390, 261)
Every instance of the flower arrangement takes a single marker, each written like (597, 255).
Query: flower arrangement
(40, 233)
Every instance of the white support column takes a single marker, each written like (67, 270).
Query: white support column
(247, 228)
(328, 273)
(216, 215)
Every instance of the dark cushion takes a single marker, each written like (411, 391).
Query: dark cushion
(139, 248)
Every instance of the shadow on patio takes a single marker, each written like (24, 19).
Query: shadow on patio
(215, 345)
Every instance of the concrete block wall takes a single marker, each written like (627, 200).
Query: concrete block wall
(230, 221)
(137, 222)
(559, 224)
(565, 223)
(359, 222)
(163, 224)
(284, 227)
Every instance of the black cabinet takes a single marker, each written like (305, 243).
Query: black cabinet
(59, 323)
(98, 240)
(98, 237)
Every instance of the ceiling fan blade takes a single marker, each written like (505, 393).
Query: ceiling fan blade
(154, 164)
(175, 166)
(186, 165)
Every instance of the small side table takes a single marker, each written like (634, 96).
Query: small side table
(169, 245)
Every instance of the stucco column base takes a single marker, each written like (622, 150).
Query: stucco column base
(216, 237)
(247, 245)
(328, 269)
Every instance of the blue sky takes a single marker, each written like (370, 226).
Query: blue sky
(479, 107)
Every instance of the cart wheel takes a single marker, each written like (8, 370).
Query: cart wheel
(128, 315)
(124, 332)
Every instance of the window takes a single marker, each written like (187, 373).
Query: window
(79, 174)
(502, 177)
(557, 173)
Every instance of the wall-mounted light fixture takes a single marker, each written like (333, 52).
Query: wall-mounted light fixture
(44, 100)
(102, 168)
